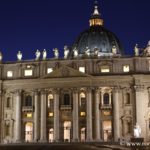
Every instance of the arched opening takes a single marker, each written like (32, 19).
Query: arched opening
(82, 100)
(28, 132)
(83, 134)
(106, 99)
(28, 101)
(50, 101)
(67, 131)
(66, 99)
(107, 130)
(51, 135)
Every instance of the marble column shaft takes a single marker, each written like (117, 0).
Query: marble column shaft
(56, 115)
(97, 115)
(43, 117)
(18, 116)
(116, 116)
(89, 115)
(36, 116)
(75, 116)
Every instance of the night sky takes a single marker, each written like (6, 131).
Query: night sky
(28, 25)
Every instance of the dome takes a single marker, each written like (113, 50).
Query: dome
(97, 37)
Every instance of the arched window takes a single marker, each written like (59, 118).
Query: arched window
(82, 100)
(28, 101)
(50, 101)
(66, 99)
(106, 99)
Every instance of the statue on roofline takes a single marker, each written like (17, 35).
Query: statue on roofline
(44, 54)
(75, 52)
(87, 51)
(136, 50)
(19, 56)
(56, 53)
(114, 50)
(1, 56)
(66, 52)
(37, 54)
(147, 50)
(96, 51)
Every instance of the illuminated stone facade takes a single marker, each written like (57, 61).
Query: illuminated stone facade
(94, 97)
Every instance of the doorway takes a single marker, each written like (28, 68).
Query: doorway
(28, 132)
(107, 130)
(67, 131)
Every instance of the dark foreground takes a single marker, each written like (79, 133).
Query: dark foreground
(54, 147)
(75, 146)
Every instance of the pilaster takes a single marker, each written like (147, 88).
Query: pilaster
(89, 134)
(56, 115)
(75, 115)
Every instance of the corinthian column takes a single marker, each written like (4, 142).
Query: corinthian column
(116, 117)
(142, 100)
(89, 115)
(97, 115)
(43, 116)
(36, 116)
(18, 116)
(75, 116)
(56, 115)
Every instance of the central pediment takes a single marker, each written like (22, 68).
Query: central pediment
(65, 72)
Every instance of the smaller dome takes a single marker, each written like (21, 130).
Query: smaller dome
(97, 37)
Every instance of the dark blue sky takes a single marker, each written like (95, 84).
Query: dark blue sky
(28, 25)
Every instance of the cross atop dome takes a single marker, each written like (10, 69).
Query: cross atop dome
(95, 19)
(96, 11)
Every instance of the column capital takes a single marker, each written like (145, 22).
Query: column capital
(56, 90)
(116, 89)
(127, 89)
(139, 88)
(18, 92)
(43, 91)
(148, 90)
(97, 90)
(36, 91)
(75, 90)
(89, 89)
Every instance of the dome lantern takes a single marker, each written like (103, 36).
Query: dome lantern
(95, 19)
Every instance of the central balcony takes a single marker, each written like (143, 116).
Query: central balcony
(27, 109)
(106, 106)
(65, 107)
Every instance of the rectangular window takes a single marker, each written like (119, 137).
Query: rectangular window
(105, 69)
(9, 74)
(50, 114)
(29, 115)
(82, 114)
(82, 69)
(28, 73)
(49, 70)
(126, 68)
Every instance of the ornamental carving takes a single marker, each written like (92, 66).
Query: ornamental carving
(65, 72)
